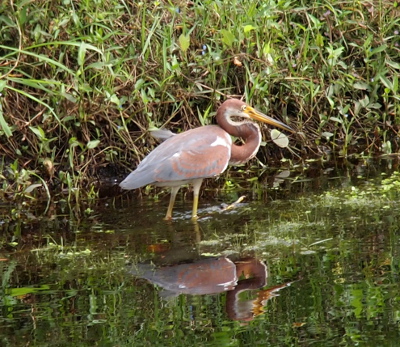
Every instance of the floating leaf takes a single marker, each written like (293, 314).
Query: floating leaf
(184, 42)
(279, 138)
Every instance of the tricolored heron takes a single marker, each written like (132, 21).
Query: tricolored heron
(193, 155)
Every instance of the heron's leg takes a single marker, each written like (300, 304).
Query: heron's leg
(174, 191)
(196, 191)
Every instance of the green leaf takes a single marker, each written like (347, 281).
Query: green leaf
(2, 85)
(336, 119)
(319, 40)
(97, 66)
(361, 85)
(227, 37)
(184, 42)
(375, 105)
(32, 187)
(393, 64)
(21, 291)
(279, 138)
(42, 58)
(315, 20)
(327, 134)
(22, 15)
(139, 83)
(378, 49)
(4, 125)
(386, 82)
(248, 28)
(357, 108)
(114, 99)
(82, 54)
(37, 84)
(73, 142)
(92, 144)
(38, 132)
(7, 21)
(364, 102)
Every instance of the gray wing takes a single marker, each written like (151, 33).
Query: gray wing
(162, 134)
(197, 153)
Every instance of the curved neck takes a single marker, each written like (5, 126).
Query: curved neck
(248, 131)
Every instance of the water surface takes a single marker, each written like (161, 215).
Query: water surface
(310, 257)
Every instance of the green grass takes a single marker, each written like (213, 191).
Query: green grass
(81, 82)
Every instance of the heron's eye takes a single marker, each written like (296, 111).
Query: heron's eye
(243, 108)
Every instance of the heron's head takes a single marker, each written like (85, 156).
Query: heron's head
(232, 108)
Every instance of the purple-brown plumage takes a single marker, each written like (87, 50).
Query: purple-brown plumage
(193, 155)
(182, 157)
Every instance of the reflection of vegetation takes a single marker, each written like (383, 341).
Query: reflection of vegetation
(341, 248)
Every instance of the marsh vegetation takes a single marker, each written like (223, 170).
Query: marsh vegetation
(82, 82)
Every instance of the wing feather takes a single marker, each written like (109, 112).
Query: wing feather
(197, 153)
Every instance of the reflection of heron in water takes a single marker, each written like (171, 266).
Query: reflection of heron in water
(213, 276)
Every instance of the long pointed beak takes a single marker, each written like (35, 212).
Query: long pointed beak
(257, 115)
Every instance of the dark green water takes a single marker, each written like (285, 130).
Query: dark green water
(325, 245)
